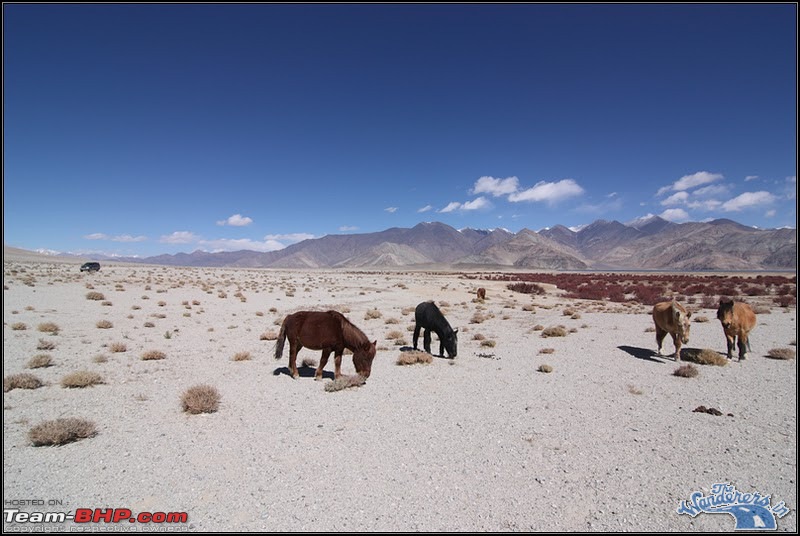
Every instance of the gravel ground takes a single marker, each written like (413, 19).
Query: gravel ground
(608, 441)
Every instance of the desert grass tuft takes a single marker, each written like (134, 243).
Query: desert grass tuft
(96, 296)
(19, 326)
(413, 357)
(632, 389)
(547, 350)
(488, 343)
(554, 331)
(23, 380)
(269, 336)
(45, 345)
(80, 379)
(781, 353)
(242, 356)
(686, 371)
(700, 319)
(200, 399)
(61, 431)
(706, 356)
(345, 382)
(153, 355)
(372, 313)
(104, 324)
(40, 361)
(117, 347)
(49, 327)
(545, 368)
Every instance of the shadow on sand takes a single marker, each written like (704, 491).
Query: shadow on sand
(645, 354)
(305, 372)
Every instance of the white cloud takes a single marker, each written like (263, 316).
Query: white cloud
(391, 210)
(346, 228)
(550, 192)
(675, 215)
(426, 208)
(291, 237)
(747, 200)
(706, 204)
(770, 213)
(476, 204)
(714, 189)
(677, 198)
(750, 178)
(226, 244)
(455, 205)
(495, 187)
(179, 237)
(118, 238)
(691, 181)
(237, 220)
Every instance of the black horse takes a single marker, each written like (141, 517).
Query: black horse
(428, 316)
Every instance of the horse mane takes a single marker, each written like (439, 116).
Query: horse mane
(353, 337)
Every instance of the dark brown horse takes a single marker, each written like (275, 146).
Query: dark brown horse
(328, 331)
(481, 293)
(737, 319)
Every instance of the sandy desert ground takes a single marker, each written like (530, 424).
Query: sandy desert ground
(608, 441)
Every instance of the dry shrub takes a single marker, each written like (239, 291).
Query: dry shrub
(61, 431)
(80, 379)
(545, 368)
(45, 345)
(547, 350)
(149, 325)
(153, 355)
(269, 336)
(538, 327)
(19, 326)
(568, 312)
(686, 371)
(23, 380)
(345, 382)
(632, 389)
(104, 324)
(761, 310)
(106, 303)
(242, 356)
(488, 343)
(200, 399)
(96, 296)
(478, 337)
(576, 316)
(555, 331)
(117, 347)
(394, 334)
(100, 358)
(49, 327)
(392, 321)
(372, 313)
(40, 361)
(413, 357)
(477, 318)
(701, 319)
(706, 356)
(781, 353)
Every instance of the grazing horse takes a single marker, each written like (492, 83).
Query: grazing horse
(737, 319)
(328, 331)
(428, 316)
(481, 293)
(671, 317)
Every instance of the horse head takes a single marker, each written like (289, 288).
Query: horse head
(451, 343)
(682, 322)
(725, 313)
(363, 356)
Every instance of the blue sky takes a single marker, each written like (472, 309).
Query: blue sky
(157, 128)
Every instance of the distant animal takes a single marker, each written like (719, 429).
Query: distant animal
(671, 317)
(481, 293)
(737, 319)
(330, 332)
(429, 317)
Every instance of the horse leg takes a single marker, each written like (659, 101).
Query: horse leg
(677, 342)
(293, 349)
(337, 360)
(416, 335)
(731, 341)
(323, 360)
(660, 334)
(441, 346)
(743, 346)
(426, 340)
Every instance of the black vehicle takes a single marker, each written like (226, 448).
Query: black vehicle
(90, 267)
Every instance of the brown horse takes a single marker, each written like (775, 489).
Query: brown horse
(671, 317)
(328, 331)
(481, 293)
(737, 319)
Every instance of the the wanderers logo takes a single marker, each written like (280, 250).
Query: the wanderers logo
(751, 511)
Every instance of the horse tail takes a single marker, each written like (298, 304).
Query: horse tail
(281, 340)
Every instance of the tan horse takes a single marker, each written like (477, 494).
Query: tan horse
(671, 317)
(737, 319)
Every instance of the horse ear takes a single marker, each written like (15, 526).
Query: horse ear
(374, 343)
(688, 314)
(456, 330)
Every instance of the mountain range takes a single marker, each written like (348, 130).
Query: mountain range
(648, 244)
